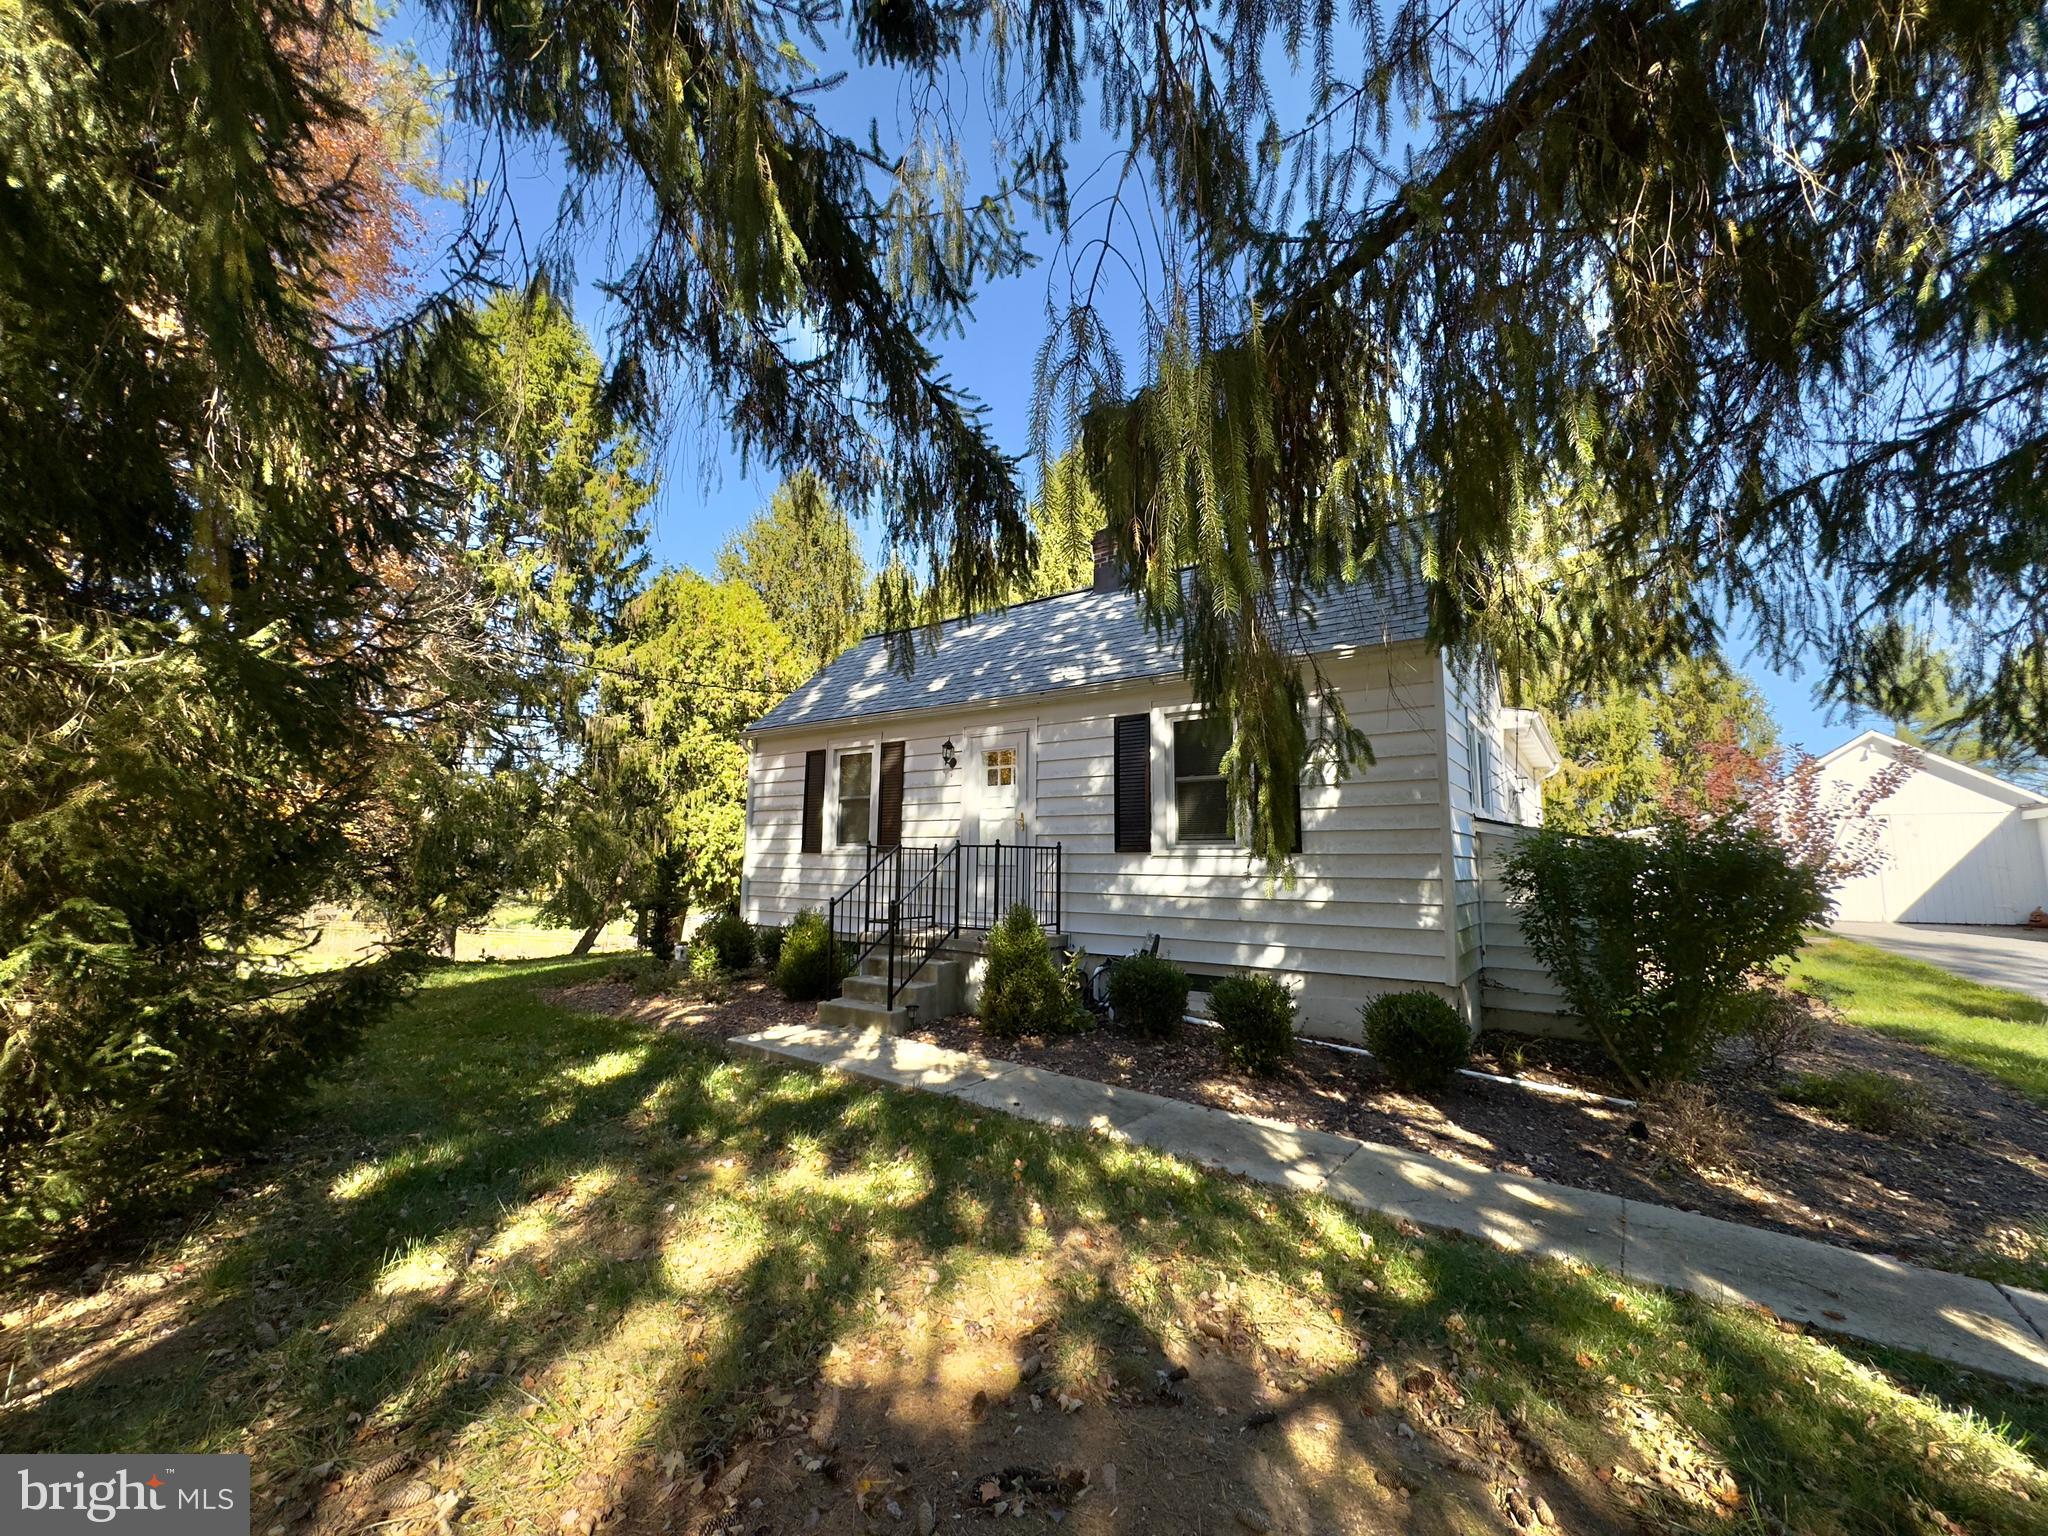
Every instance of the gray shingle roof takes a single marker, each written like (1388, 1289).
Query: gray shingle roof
(1059, 642)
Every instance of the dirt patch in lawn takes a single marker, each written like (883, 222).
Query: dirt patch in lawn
(718, 1011)
(1733, 1149)
(996, 1408)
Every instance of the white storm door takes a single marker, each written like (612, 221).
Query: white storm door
(997, 767)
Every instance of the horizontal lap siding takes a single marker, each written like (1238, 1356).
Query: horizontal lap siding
(780, 880)
(1366, 911)
(1518, 990)
(1462, 702)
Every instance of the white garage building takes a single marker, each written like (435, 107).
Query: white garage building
(1960, 846)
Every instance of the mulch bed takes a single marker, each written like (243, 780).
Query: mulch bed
(1746, 1156)
(1776, 1165)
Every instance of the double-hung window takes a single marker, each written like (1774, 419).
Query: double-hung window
(856, 795)
(1479, 767)
(1201, 803)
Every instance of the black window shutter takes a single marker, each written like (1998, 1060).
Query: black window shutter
(1133, 780)
(814, 801)
(889, 814)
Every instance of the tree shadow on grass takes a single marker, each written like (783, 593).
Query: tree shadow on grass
(572, 1267)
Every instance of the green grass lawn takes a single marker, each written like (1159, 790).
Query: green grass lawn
(1996, 1031)
(566, 1264)
(510, 931)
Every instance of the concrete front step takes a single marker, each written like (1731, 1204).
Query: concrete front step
(936, 990)
(973, 945)
(878, 964)
(853, 1013)
(874, 989)
(937, 987)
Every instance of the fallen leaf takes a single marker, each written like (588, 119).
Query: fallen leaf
(825, 1422)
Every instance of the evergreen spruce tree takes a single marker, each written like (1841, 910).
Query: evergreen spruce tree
(801, 558)
(696, 663)
(209, 473)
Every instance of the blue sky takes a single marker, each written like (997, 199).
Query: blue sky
(707, 492)
(1790, 696)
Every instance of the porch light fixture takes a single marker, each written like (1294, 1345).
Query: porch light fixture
(951, 757)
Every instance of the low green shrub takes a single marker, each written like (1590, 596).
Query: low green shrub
(1658, 940)
(1417, 1038)
(768, 943)
(1869, 1101)
(1257, 1015)
(641, 971)
(1775, 1022)
(1149, 994)
(811, 964)
(1023, 991)
(731, 938)
(703, 964)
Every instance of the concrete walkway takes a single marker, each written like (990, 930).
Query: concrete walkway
(2000, 1330)
(2016, 958)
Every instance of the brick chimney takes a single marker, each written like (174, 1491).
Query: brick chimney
(1109, 576)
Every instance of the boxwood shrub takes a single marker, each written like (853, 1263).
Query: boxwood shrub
(1257, 1015)
(1022, 991)
(1149, 994)
(811, 963)
(1417, 1038)
(731, 939)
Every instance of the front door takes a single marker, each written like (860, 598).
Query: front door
(999, 776)
(998, 786)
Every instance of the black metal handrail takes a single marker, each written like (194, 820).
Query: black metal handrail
(909, 901)
(856, 916)
(924, 916)
(997, 876)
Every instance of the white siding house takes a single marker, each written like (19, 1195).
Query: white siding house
(1957, 844)
(1012, 728)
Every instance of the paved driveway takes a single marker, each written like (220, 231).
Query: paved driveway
(2004, 957)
